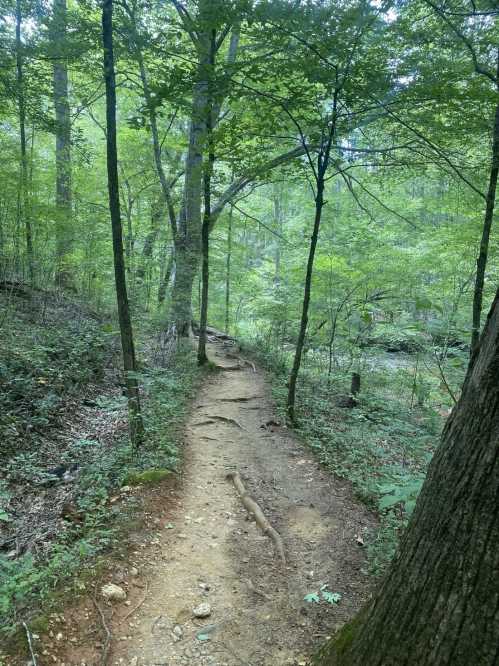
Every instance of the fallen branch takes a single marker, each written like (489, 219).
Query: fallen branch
(105, 649)
(253, 507)
(30, 644)
(136, 608)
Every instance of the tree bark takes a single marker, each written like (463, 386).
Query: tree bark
(21, 104)
(127, 343)
(189, 226)
(228, 273)
(319, 204)
(157, 210)
(205, 230)
(439, 604)
(163, 285)
(63, 276)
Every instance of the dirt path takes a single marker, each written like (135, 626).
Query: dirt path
(210, 552)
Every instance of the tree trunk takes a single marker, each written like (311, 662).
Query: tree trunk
(278, 223)
(21, 104)
(189, 227)
(439, 602)
(319, 204)
(355, 384)
(127, 344)
(63, 275)
(158, 161)
(157, 210)
(163, 285)
(481, 263)
(205, 231)
(227, 272)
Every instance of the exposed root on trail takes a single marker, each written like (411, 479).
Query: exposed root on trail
(107, 642)
(215, 417)
(254, 508)
(241, 362)
(30, 644)
(241, 399)
(225, 419)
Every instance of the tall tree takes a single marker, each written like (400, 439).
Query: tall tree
(319, 171)
(228, 264)
(205, 229)
(62, 144)
(126, 331)
(21, 105)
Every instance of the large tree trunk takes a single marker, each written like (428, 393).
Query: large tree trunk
(205, 231)
(21, 104)
(127, 344)
(439, 603)
(186, 269)
(63, 275)
(189, 226)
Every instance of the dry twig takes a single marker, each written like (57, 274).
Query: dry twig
(131, 612)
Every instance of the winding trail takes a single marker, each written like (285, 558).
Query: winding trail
(211, 552)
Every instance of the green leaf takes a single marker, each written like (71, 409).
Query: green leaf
(388, 501)
(312, 598)
(331, 597)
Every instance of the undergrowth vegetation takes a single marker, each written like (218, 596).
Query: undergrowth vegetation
(51, 530)
(49, 350)
(382, 445)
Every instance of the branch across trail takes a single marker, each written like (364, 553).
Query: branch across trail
(254, 508)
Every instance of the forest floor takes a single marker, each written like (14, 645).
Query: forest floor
(200, 547)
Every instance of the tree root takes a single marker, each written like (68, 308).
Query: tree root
(225, 419)
(253, 507)
(242, 399)
(30, 644)
(105, 649)
(214, 418)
